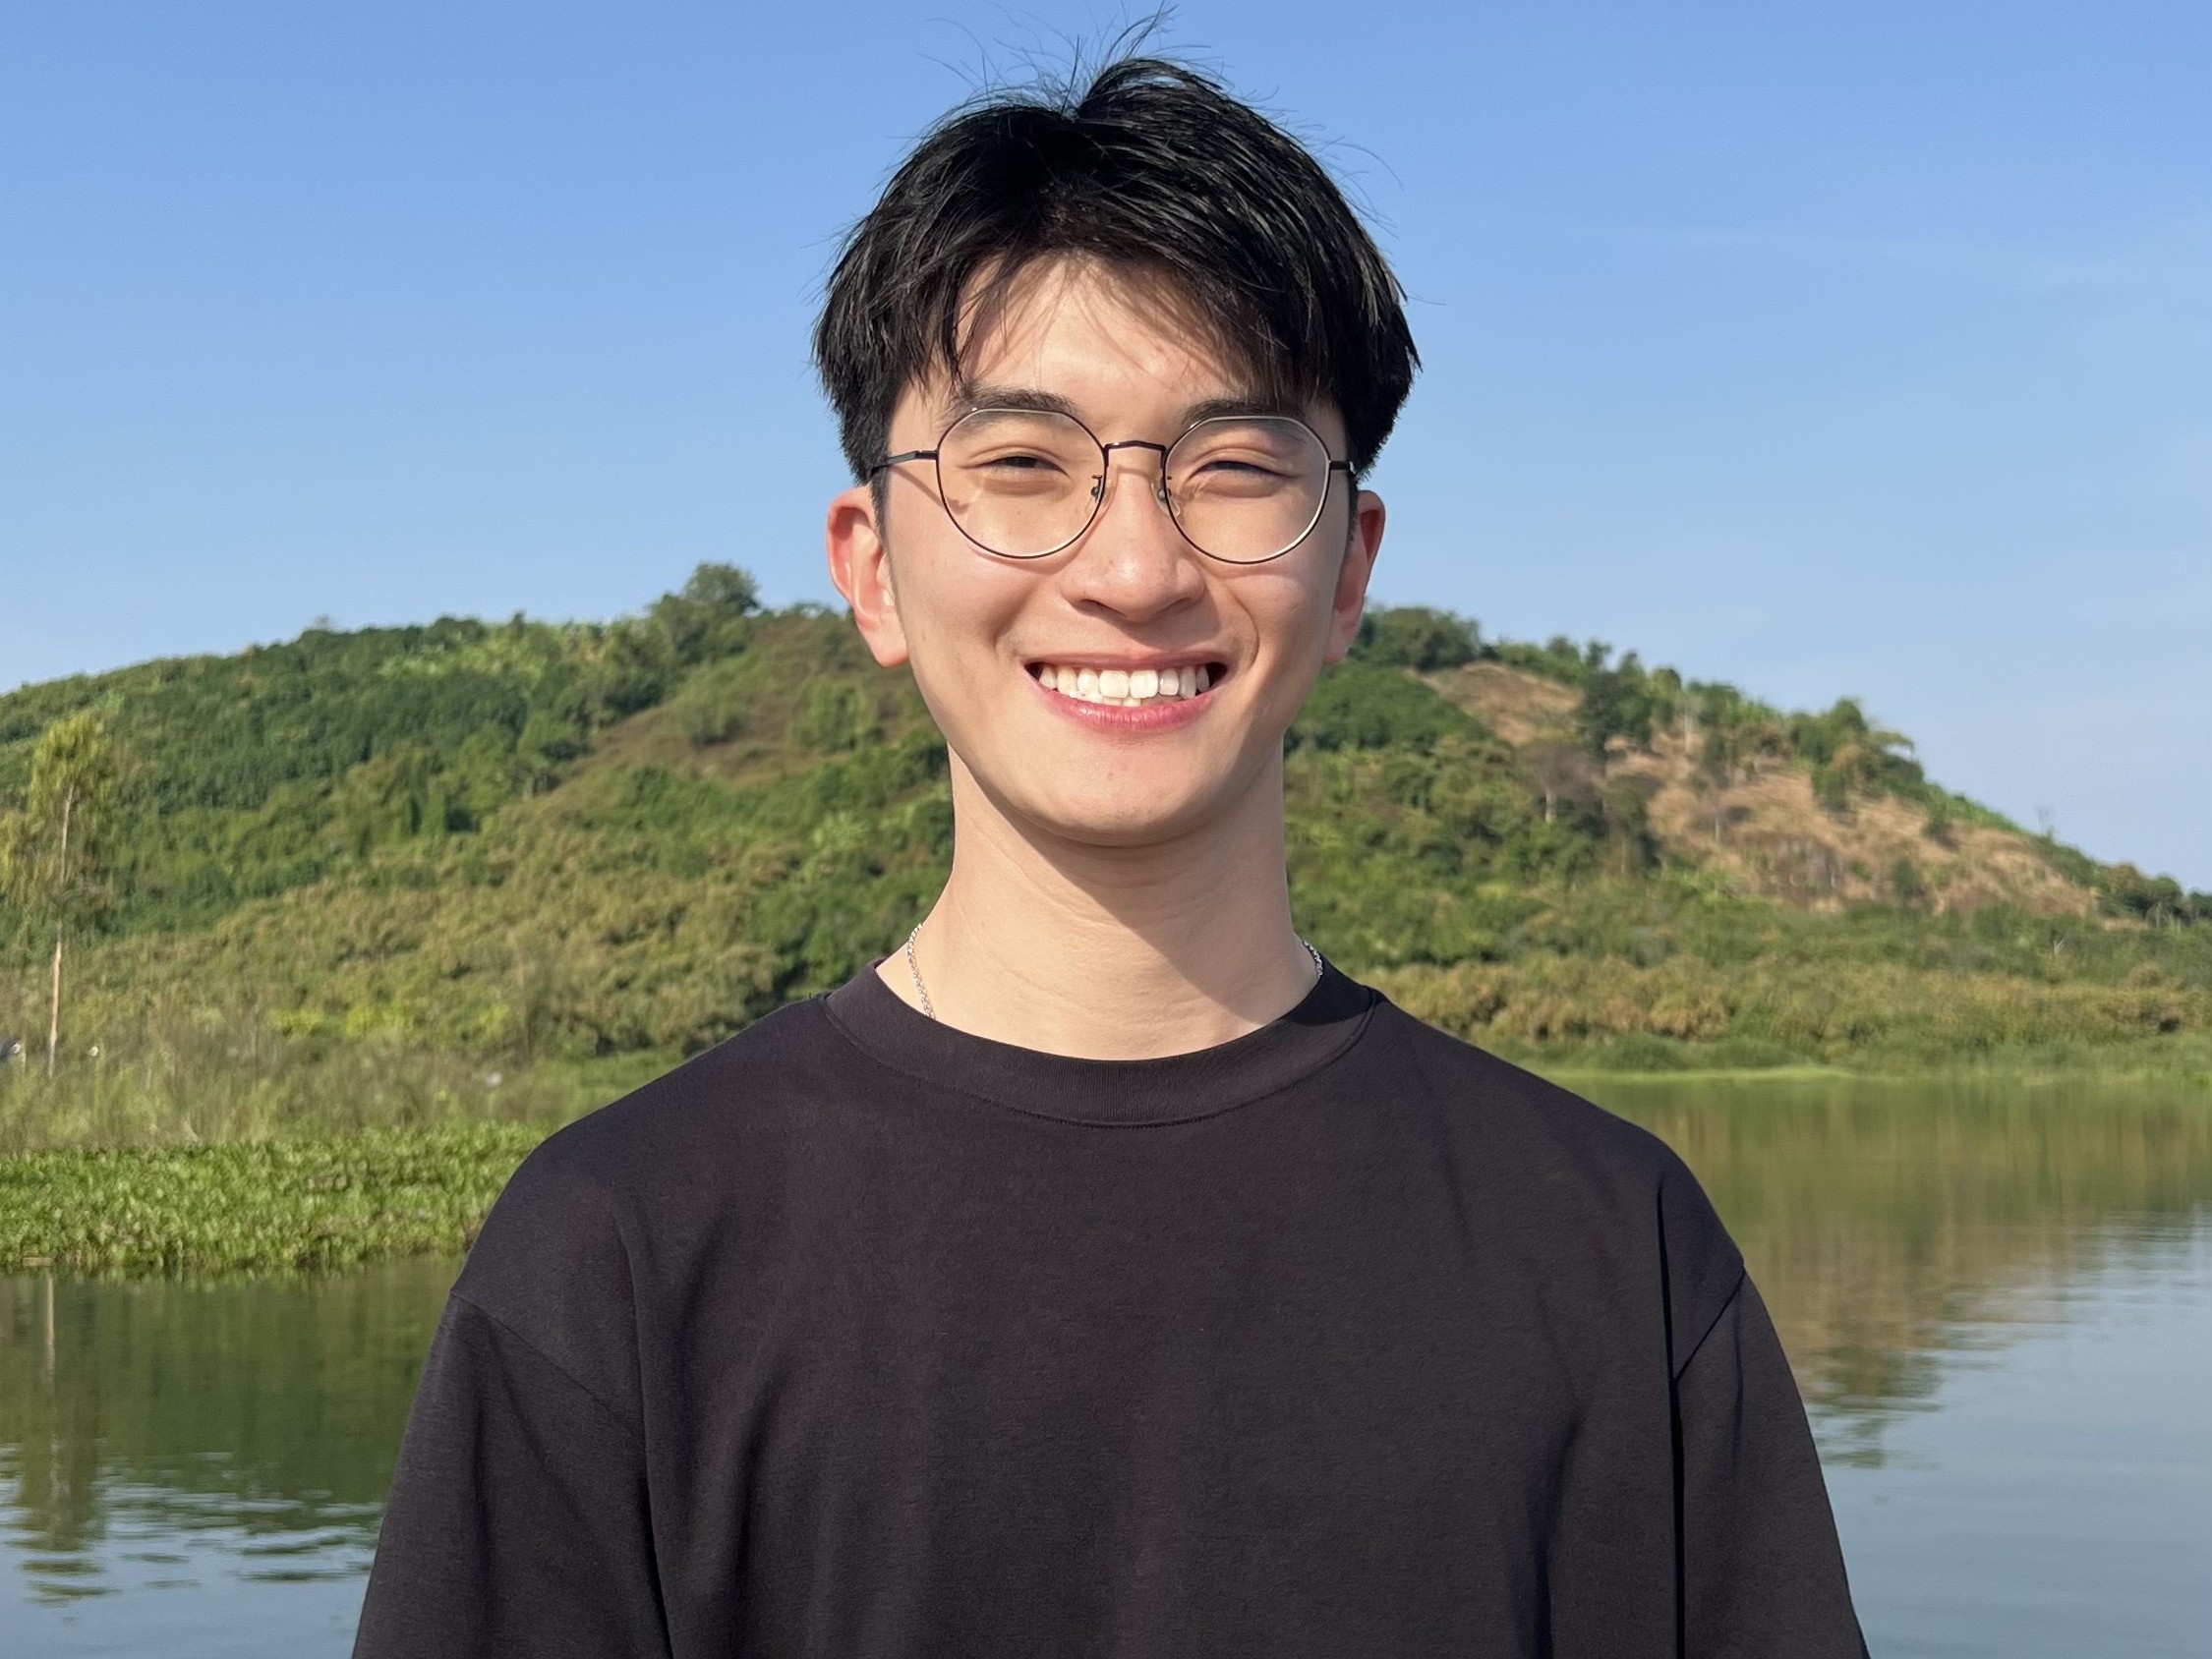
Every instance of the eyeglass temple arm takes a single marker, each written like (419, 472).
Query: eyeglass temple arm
(910, 455)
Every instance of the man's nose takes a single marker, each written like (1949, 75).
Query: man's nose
(1132, 559)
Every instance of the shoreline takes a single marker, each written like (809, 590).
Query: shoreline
(2185, 1080)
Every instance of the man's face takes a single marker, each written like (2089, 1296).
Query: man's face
(988, 637)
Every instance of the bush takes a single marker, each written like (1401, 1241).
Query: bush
(2125, 890)
(838, 714)
(710, 705)
(1417, 637)
(1906, 885)
(1359, 705)
(1863, 1014)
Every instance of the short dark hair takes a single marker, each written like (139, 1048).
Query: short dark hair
(1152, 168)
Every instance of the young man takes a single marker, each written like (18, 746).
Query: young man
(1102, 1272)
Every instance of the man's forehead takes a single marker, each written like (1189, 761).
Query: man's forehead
(1047, 337)
(1065, 325)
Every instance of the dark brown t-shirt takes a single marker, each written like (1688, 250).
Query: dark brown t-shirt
(857, 1336)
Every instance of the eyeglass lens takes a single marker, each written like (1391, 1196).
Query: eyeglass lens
(1025, 482)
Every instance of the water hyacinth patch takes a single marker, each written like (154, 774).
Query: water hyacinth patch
(256, 1207)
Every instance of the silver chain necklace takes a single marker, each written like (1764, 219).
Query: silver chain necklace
(921, 990)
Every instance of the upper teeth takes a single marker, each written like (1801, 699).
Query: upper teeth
(1132, 688)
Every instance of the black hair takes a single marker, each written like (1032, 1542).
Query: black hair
(1150, 168)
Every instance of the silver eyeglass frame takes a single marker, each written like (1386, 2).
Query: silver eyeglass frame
(934, 456)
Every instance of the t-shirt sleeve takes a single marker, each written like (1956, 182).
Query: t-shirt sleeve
(517, 1522)
(1762, 1569)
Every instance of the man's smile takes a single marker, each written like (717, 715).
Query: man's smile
(1149, 683)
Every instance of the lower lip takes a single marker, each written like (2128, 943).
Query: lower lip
(1120, 719)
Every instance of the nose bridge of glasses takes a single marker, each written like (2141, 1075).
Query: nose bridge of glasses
(1106, 456)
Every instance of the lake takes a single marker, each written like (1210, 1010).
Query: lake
(1997, 1299)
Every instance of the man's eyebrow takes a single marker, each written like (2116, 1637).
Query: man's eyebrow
(968, 398)
(974, 395)
(1219, 407)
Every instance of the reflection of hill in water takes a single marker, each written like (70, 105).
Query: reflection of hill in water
(1888, 1222)
(273, 1407)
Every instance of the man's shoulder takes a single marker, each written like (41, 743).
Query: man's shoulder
(1517, 1113)
(721, 1096)
(672, 1158)
(1569, 1179)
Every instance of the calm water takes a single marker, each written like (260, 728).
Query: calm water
(1999, 1302)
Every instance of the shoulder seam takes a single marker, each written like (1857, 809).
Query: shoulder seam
(567, 1376)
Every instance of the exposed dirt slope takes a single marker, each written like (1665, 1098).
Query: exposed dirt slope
(1764, 829)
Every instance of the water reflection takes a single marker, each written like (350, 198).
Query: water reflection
(165, 1436)
(1892, 1224)
(198, 1469)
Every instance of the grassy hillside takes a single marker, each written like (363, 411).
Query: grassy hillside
(402, 876)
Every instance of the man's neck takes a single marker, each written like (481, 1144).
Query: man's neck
(1111, 953)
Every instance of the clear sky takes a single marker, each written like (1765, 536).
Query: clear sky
(1826, 350)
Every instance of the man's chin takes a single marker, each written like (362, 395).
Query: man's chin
(1116, 824)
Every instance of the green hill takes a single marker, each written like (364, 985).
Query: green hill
(467, 869)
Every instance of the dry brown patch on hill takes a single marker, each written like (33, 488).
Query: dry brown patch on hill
(1770, 834)
(1765, 831)
(1519, 707)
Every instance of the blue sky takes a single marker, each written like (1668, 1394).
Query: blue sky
(1834, 350)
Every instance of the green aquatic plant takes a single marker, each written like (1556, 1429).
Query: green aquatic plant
(259, 1207)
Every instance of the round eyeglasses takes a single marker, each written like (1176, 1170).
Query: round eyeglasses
(1026, 483)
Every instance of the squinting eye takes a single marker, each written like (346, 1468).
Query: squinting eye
(1230, 466)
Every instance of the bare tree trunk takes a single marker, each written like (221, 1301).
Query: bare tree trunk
(61, 891)
(54, 1019)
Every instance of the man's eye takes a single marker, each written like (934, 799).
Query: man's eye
(1234, 467)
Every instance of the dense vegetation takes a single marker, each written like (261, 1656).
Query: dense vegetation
(257, 773)
(261, 1207)
(467, 870)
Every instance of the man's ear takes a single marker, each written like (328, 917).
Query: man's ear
(860, 566)
(1363, 541)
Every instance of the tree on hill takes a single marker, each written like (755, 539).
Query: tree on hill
(1616, 702)
(1559, 771)
(2125, 890)
(1413, 636)
(1847, 752)
(51, 848)
(707, 618)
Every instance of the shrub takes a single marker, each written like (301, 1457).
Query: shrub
(710, 705)
(1417, 637)
(1358, 705)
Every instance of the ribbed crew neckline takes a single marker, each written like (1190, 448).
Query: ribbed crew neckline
(1123, 1093)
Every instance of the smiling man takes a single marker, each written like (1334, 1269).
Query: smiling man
(1103, 1273)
